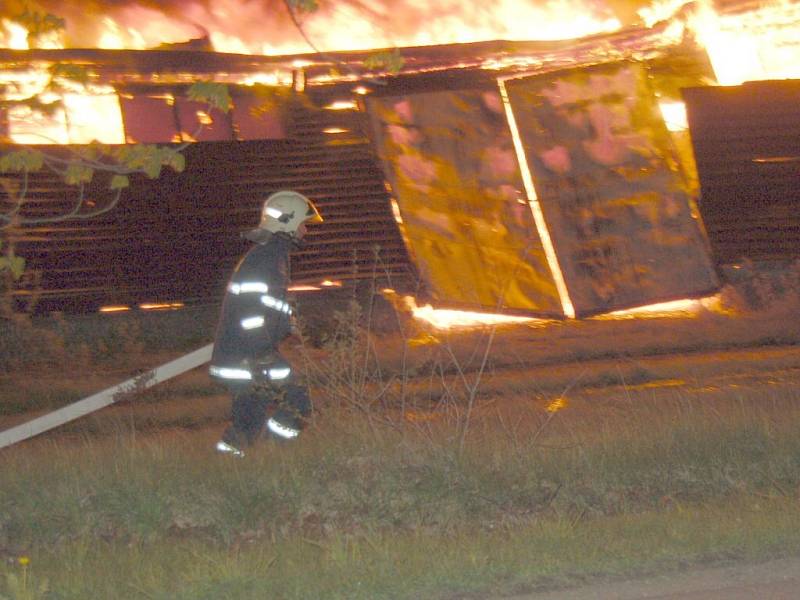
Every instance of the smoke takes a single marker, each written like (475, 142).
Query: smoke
(266, 27)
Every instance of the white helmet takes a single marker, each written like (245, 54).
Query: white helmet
(285, 211)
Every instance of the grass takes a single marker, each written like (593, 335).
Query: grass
(358, 507)
(468, 562)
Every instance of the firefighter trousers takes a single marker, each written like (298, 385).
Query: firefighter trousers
(290, 404)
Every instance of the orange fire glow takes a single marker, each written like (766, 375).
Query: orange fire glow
(443, 319)
(308, 287)
(161, 305)
(457, 319)
(674, 114)
(266, 28)
(756, 44)
(86, 113)
(688, 307)
(450, 319)
(13, 35)
(115, 308)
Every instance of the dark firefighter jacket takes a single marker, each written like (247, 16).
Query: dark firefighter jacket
(255, 314)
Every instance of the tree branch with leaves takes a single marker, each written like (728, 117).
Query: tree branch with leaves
(76, 165)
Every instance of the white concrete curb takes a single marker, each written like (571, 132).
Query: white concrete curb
(108, 396)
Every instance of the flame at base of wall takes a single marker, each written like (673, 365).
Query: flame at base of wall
(454, 319)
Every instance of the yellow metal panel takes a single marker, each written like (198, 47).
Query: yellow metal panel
(623, 224)
(450, 161)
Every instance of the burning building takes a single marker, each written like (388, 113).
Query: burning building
(552, 178)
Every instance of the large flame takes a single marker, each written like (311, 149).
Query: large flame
(755, 44)
(460, 319)
(83, 113)
(267, 27)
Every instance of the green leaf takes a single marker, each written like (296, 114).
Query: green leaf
(152, 169)
(306, 6)
(120, 182)
(89, 152)
(148, 158)
(22, 160)
(78, 173)
(77, 73)
(130, 156)
(177, 162)
(13, 263)
(211, 93)
(391, 61)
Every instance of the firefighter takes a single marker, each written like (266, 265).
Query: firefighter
(255, 318)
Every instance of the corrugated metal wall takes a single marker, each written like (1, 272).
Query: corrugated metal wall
(746, 142)
(177, 238)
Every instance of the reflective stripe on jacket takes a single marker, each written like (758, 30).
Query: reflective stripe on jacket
(255, 313)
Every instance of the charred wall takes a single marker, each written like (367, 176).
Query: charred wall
(746, 143)
(177, 238)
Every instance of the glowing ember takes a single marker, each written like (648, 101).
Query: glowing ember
(161, 305)
(449, 319)
(453, 319)
(305, 287)
(341, 105)
(204, 118)
(275, 78)
(114, 309)
(398, 217)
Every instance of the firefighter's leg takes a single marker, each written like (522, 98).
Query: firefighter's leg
(248, 409)
(294, 405)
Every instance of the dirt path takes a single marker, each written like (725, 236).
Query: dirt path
(773, 580)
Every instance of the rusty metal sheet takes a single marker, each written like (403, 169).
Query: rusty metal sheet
(148, 119)
(251, 121)
(623, 225)
(199, 123)
(449, 159)
(176, 238)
